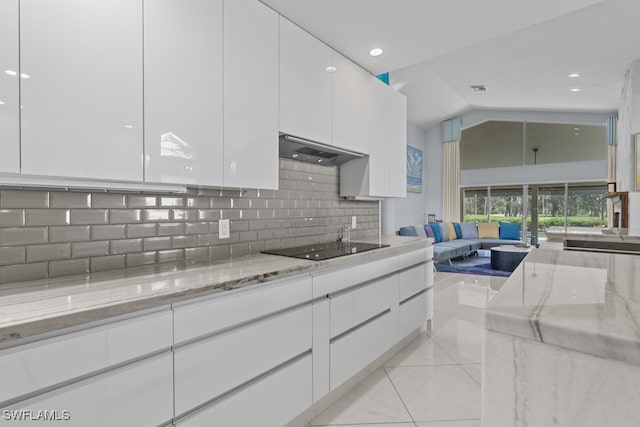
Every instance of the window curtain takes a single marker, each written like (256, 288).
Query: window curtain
(451, 133)
(612, 142)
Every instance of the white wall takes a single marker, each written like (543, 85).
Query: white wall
(412, 210)
(628, 125)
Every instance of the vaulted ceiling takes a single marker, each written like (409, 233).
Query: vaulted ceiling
(523, 51)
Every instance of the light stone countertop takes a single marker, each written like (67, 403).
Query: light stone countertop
(32, 308)
(590, 233)
(584, 301)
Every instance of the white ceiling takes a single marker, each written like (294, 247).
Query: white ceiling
(521, 50)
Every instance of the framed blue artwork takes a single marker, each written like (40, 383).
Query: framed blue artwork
(414, 169)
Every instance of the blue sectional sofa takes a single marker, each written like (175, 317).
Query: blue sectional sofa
(468, 237)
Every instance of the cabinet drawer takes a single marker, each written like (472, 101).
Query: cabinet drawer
(41, 364)
(412, 314)
(335, 281)
(356, 306)
(209, 368)
(140, 395)
(412, 281)
(413, 258)
(354, 351)
(272, 401)
(211, 314)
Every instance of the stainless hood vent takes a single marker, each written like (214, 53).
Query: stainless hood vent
(304, 150)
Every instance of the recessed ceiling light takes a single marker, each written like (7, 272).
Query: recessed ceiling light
(1, 103)
(24, 75)
(478, 88)
(574, 75)
(11, 72)
(376, 51)
(576, 128)
(576, 134)
(575, 89)
(128, 126)
(331, 69)
(295, 156)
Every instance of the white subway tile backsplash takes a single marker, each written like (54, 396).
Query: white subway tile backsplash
(89, 216)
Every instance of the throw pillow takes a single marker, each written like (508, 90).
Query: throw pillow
(456, 226)
(444, 231)
(408, 231)
(488, 230)
(469, 230)
(451, 231)
(436, 232)
(509, 230)
(429, 231)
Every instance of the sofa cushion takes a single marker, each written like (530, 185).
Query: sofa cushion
(488, 230)
(509, 230)
(420, 231)
(408, 231)
(436, 232)
(444, 231)
(456, 226)
(429, 231)
(451, 231)
(442, 253)
(469, 230)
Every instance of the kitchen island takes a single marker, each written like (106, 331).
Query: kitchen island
(562, 342)
(192, 345)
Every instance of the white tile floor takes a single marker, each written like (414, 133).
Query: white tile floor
(435, 380)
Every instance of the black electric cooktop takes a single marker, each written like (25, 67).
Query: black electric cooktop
(321, 251)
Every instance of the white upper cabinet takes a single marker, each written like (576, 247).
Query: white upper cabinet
(379, 151)
(250, 95)
(383, 173)
(351, 105)
(305, 84)
(183, 91)
(82, 102)
(9, 87)
(397, 144)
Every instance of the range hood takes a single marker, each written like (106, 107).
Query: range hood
(304, 150)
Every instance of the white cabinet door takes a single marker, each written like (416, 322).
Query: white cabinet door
(9, 87)
(305, 84)
(250, 95)
(183, 91)
(137, 395)
(82, 102)
(398, 144)
(380, 150)
(209, 368)
(271, 402)
(351, 105)
(32, 367)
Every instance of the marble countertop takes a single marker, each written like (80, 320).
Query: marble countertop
(591, 233)
(31, 308)
(588, 302)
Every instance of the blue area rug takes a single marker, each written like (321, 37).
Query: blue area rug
(473, 265)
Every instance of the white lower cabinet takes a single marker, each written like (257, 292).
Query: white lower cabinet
(412, 313)
(271, 401)
(213, 366)
(41, 364)
(351, 352)
(137, 395)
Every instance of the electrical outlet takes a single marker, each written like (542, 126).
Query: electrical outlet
(353, 222)
(223, 229)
